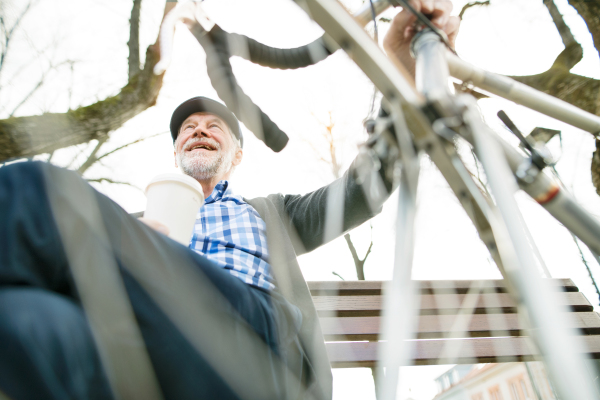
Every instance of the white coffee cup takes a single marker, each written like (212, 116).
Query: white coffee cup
(174, 200)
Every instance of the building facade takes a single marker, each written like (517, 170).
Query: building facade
(505, 381)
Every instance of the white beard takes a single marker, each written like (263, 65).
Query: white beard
(200, 165)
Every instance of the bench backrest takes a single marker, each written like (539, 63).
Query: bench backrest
(454, 327)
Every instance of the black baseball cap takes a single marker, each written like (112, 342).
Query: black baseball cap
(204, 104)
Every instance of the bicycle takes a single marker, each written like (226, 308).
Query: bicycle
(428, 119)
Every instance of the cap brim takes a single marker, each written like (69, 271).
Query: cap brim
(204, 104)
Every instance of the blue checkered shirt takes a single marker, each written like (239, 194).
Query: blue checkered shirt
(232, 234)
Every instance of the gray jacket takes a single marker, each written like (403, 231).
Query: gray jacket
(297, 224)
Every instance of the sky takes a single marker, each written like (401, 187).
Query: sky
(86, 42)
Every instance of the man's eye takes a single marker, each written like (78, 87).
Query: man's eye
(189, 126)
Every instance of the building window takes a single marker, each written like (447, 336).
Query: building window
(514, 391)
(524, 389)
(446, 381)
(518, 388)
(495, 393)
(478, 396)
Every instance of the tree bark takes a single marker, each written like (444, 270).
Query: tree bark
(578, 90)
(563, 29)
(590, 12)
(32, 135)
(134, 39)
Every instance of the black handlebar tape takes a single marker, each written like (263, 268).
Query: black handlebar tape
(224, 82)
(272, 57)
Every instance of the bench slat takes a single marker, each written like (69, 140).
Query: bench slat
(357, 288)
(440, 326)
(427, 352)
(435, 304)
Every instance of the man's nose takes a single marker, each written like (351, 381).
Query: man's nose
(201, 131)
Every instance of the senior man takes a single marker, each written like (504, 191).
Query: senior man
(246, 327)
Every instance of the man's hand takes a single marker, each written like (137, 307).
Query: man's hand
(154, 224)
(397, 40)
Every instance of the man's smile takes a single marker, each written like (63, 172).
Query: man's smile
(203, 145)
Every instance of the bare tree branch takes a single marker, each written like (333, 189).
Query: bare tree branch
(81, 148)
(573, 52)
(129, 144)
(28, 136)
(590, 12)
(338, 275)
(8, 33)
(358, 263)
(368, 250)
(37, 86)
(473, 4)
(564, 31)
(134, 39)
(100, 180)
(92, 157)
(327, 134)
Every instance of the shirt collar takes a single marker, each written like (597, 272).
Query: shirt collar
(221, 190)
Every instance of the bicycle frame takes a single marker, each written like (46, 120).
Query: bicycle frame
(420, 117)
(427, 118)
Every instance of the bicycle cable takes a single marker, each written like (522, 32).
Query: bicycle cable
(427, 22)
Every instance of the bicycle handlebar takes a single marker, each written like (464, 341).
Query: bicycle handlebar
(272, 57)
(220, 45)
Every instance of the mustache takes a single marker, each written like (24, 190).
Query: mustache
(197, 141)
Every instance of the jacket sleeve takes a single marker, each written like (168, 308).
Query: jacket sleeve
(329, 212)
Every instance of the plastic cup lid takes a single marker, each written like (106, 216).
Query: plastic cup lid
(180, 178)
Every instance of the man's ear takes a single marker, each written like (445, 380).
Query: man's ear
(237, 158)
(175, 159)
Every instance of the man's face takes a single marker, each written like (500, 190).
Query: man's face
(205, 149)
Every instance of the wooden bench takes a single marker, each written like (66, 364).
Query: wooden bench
(349, 312)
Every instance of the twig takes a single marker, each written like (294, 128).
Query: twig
(473, 4)
(587, 267)
(92, 157)
(129, 144)
(108, 180)
(36, 87)
(338, 275)
(81, 148)
(8, 33)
